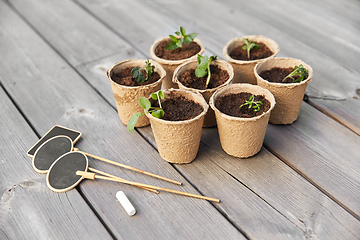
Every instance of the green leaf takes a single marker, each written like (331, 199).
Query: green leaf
(171, 46)
(182, 30)
(158, 113)
(137, 74)
(132, 121)
(145, 104)
(161, 94)
(179, 44)
(173, 38)
(192, 36)
(178, 33)
(200, 73)
(204, 63)
(154, 96)
(187, 40)
(213, 57)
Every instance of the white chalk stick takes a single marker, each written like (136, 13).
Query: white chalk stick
(124, 201)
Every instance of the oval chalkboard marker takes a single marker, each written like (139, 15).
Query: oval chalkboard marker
(49, 151)
(62, 174)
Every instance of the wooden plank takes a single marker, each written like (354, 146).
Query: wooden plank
(330, 78)
(66, 99)
(323, 152)
(313, 25)
(94, 46)
(271, 216)
(27, 207)
(268, 191)
(151, 11)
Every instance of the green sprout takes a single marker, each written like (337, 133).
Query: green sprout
(138, 75)
(299, 71)
(249, 45)
(178, 42)
(253, 104)
(203, 67)
(157, 112)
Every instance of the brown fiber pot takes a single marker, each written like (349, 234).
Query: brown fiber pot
(127, 98)
(244, 70)
(241, 137)
(170, 65)
(178, 141)
(209, 120)
(288, 96)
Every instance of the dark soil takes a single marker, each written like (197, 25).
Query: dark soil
(218, 77)
(187, 50)
(178, 108)
(276, 75)
(230, 105)
(262, 52)
(126, 78)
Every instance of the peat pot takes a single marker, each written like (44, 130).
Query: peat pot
(178, 141)
(209, 120)
(241, 137)
(171, 65)
(243, 69)
(127, 98)
(289, 96)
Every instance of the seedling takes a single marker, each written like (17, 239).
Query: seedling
(178, 42)
(299, 71)
(249, 45)
(157, 112)
(253, 104)
(203, 67)
(139, 76)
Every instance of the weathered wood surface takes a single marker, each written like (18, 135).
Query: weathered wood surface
(70, 101)
(333, 78)
(28, 210)
(340, 192)
(304, 185)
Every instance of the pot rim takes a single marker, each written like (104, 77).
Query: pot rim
(158, 68)
(202, 102)
(240, 86)
(275, 50)
(173, 62)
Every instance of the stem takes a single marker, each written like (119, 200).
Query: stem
(208, 77)
(159, 100)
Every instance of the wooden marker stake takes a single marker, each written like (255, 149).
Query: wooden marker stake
(130, 168)
(92, 176)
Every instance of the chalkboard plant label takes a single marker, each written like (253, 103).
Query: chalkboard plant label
(286, 79)
(174, 50)
(130, 80)
(178, 132)
(221, 75)
(241, 119)
(243, 53)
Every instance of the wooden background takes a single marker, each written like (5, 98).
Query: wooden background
(304, 183)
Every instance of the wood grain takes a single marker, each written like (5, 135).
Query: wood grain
(71, 102)
(332, 77)
(27, 207)
(111, 19)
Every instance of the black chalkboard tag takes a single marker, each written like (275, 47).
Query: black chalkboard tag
(57, 130)
(50, 151)
(62, 173)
